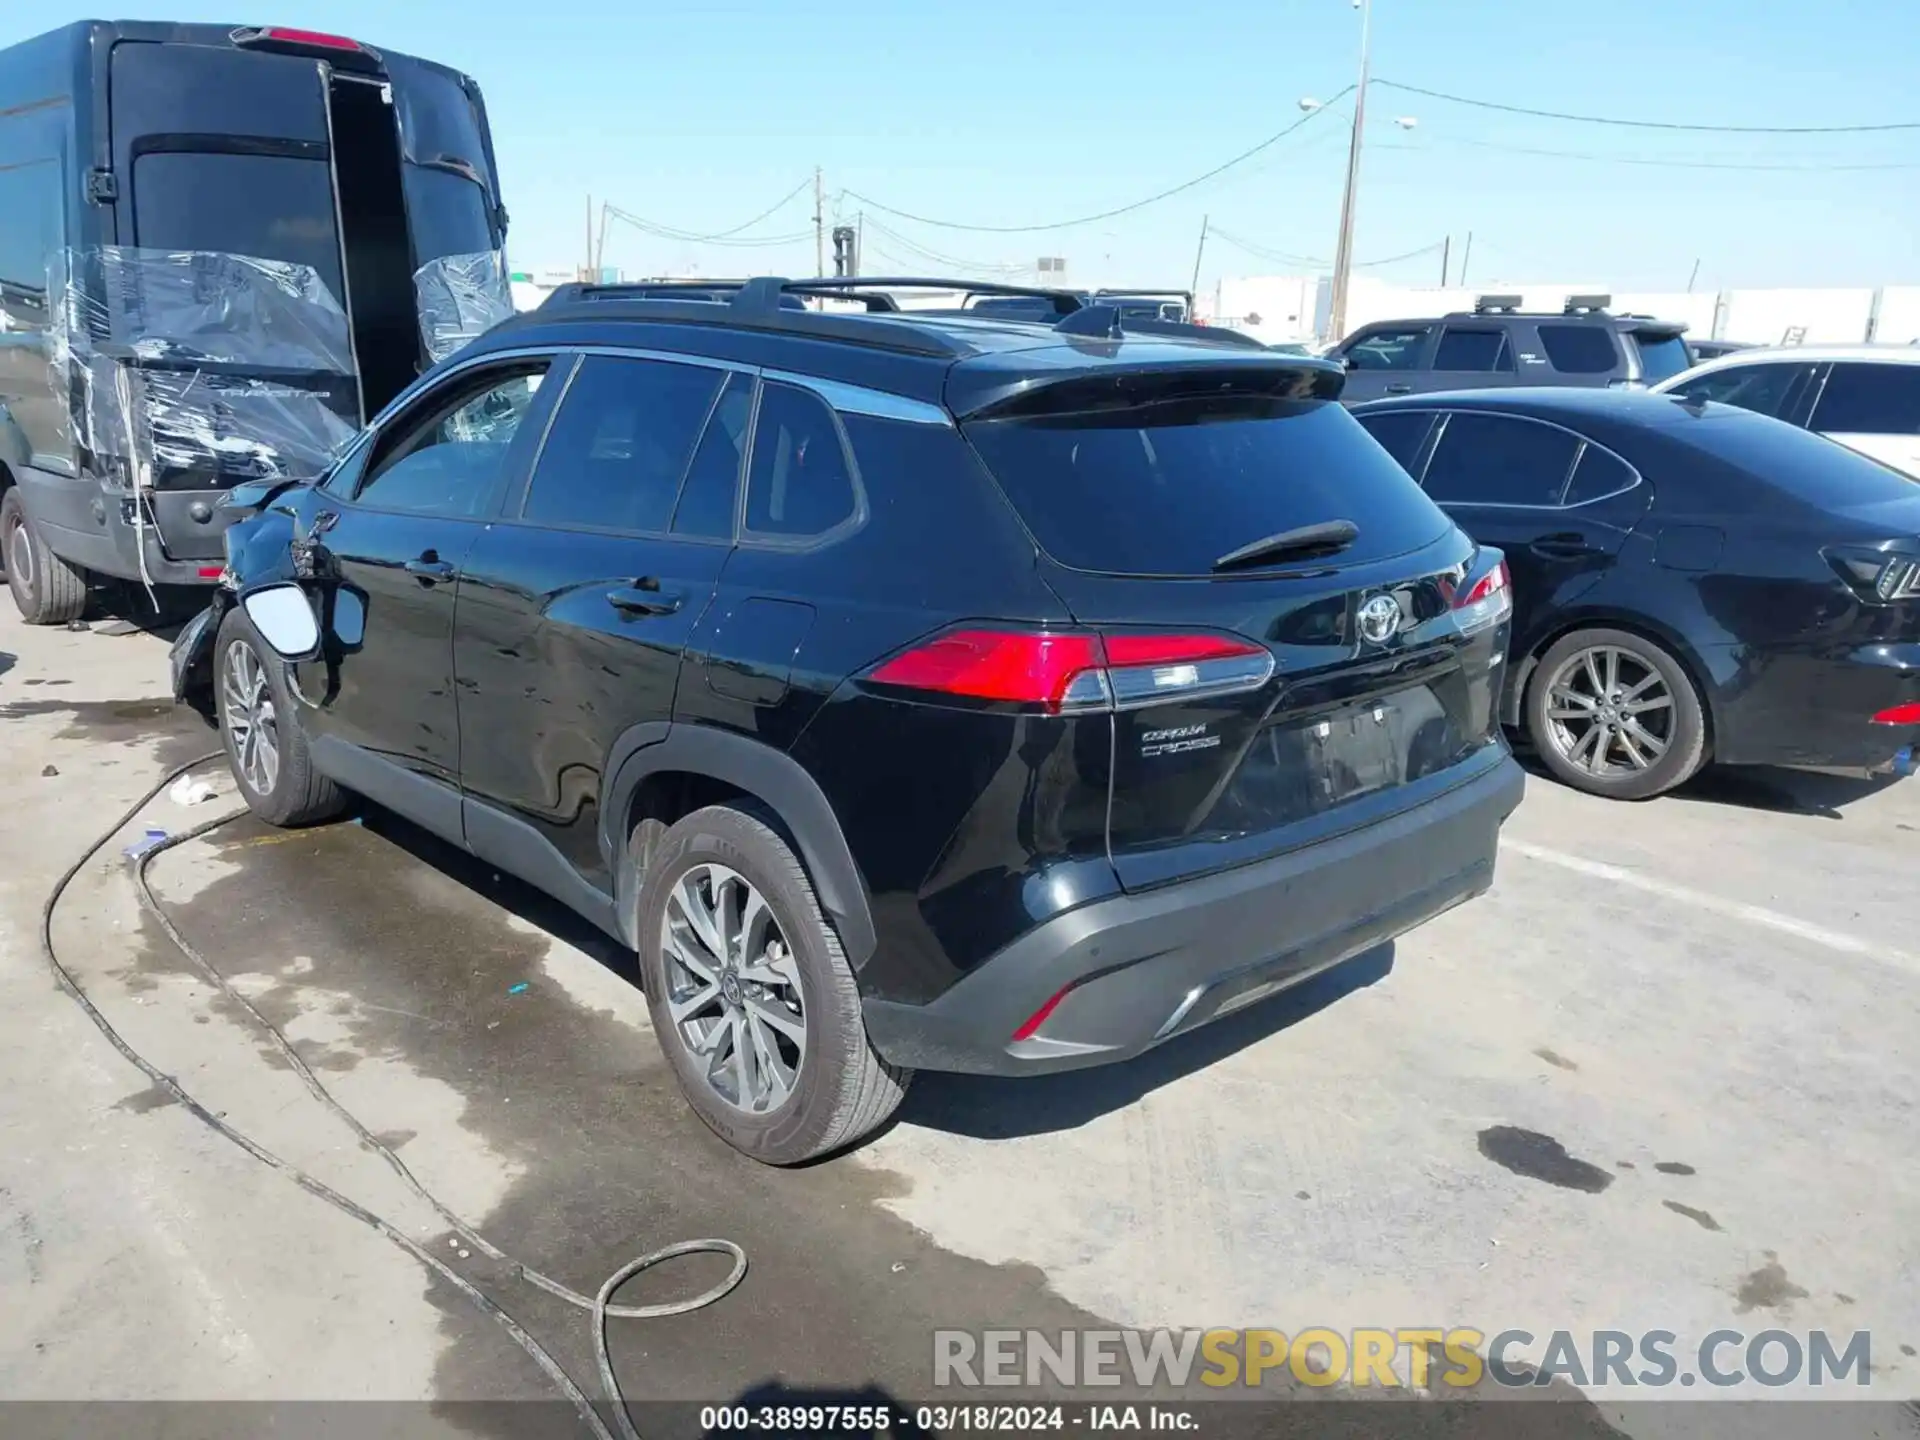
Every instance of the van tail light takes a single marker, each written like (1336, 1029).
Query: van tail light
(296, 39)
(1068, 671)
(1908, 714)
(1485, 596)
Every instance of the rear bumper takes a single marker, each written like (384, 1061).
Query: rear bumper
(1799, 708)
(1141, 968)
(92, 527)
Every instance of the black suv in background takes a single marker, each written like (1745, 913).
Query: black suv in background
(1499, 344)
(936, 692)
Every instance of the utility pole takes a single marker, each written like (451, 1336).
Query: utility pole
(1343, 253)
(819, 226)
(1446, 254)
(1199, 252)
(1465, 256)
(586, 271)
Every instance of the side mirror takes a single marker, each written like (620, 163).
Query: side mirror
(283, 614)
(1346, 363)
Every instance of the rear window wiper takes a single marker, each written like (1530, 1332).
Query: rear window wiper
(1304, 542)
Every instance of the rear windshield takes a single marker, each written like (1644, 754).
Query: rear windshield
(1797, 461)
(1661, 356)
(1170, 486)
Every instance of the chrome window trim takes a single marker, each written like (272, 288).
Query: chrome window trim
(860, 400)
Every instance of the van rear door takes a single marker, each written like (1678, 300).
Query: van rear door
(222, 303)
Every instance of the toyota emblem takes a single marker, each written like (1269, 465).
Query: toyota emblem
(1378, 619)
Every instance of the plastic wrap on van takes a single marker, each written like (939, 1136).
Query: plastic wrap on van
(460, 297)
(200, 362)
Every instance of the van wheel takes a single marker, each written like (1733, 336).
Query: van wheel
(46, 589)
(1613, 714)
(751, 995)
(265, 746)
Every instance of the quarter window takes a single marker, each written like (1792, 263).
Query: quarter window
(801, 483)
(620, 443)
(450, 462)
(707, 494)
(1579, 349)
(1598, 474)
(1400, 433)
(1499, 460)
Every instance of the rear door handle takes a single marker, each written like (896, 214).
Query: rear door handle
(1400, 389)
(429, 569)
(1563, 547)
(645, 598)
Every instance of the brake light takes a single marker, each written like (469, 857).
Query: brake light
(212, 572)
(1072, 670)
(1489, 584)
(287, 35)
(1908, 714)
(1874, 575)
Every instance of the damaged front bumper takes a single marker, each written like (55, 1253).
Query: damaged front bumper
(190, 661)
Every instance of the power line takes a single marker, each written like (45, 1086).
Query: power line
(667, 232)
(1651, 124)
(1183, 186)
(670, 232)
(997, 267)
(1286, 258)
(1655, 162)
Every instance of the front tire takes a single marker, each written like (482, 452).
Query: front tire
(265, 746)
(1614, 714)
(46, 589)
(751, 994)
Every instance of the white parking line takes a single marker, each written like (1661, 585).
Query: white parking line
(1718, 905)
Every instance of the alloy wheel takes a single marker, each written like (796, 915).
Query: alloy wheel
(252, 724)
(1609, 711)
(733, 988)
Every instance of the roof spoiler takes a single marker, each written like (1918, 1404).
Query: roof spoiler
(1106, 322)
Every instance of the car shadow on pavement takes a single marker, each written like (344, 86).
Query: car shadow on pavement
(7, 662)
(1789, 792)
(984, 1107)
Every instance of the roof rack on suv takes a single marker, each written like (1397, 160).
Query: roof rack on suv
(1586, 304)
(1497, 304)
(768, 302)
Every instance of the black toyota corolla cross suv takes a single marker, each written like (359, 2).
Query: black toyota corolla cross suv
(946, 692)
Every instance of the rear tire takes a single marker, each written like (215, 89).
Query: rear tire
(1614, 714)
(46, 589)
(266, 749)
(811, 1083)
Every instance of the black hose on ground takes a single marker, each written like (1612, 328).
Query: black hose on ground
(598, 1306)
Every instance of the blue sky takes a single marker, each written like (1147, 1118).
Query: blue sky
(698, 116)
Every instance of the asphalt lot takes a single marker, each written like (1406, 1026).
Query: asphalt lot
(1700, 1011)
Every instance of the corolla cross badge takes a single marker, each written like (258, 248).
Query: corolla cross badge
(1378, 619)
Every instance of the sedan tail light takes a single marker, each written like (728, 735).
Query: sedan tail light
(1877, 576)
(1064, 671)
(1486, 593)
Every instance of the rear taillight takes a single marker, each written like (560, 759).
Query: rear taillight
(1908, 714)
(1062, 671)
(1875, 576)
(1485, 600)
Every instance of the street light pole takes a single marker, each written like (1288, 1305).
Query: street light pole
(1343, 253)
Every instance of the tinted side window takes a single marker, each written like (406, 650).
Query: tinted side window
(619, 444)
(1499, 460)
(1763, 389)
(1579, 349)
(801, 482)
(707, 494)
(1400, 433)
(1473, 350)
(1397, 349)
(1598, 474)
(1865, 399)
(448, 462)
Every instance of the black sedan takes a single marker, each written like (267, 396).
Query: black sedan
(1692, 582)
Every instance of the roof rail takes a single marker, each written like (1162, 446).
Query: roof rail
(1065, 302)
(1586, 304)
(1497, 304)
